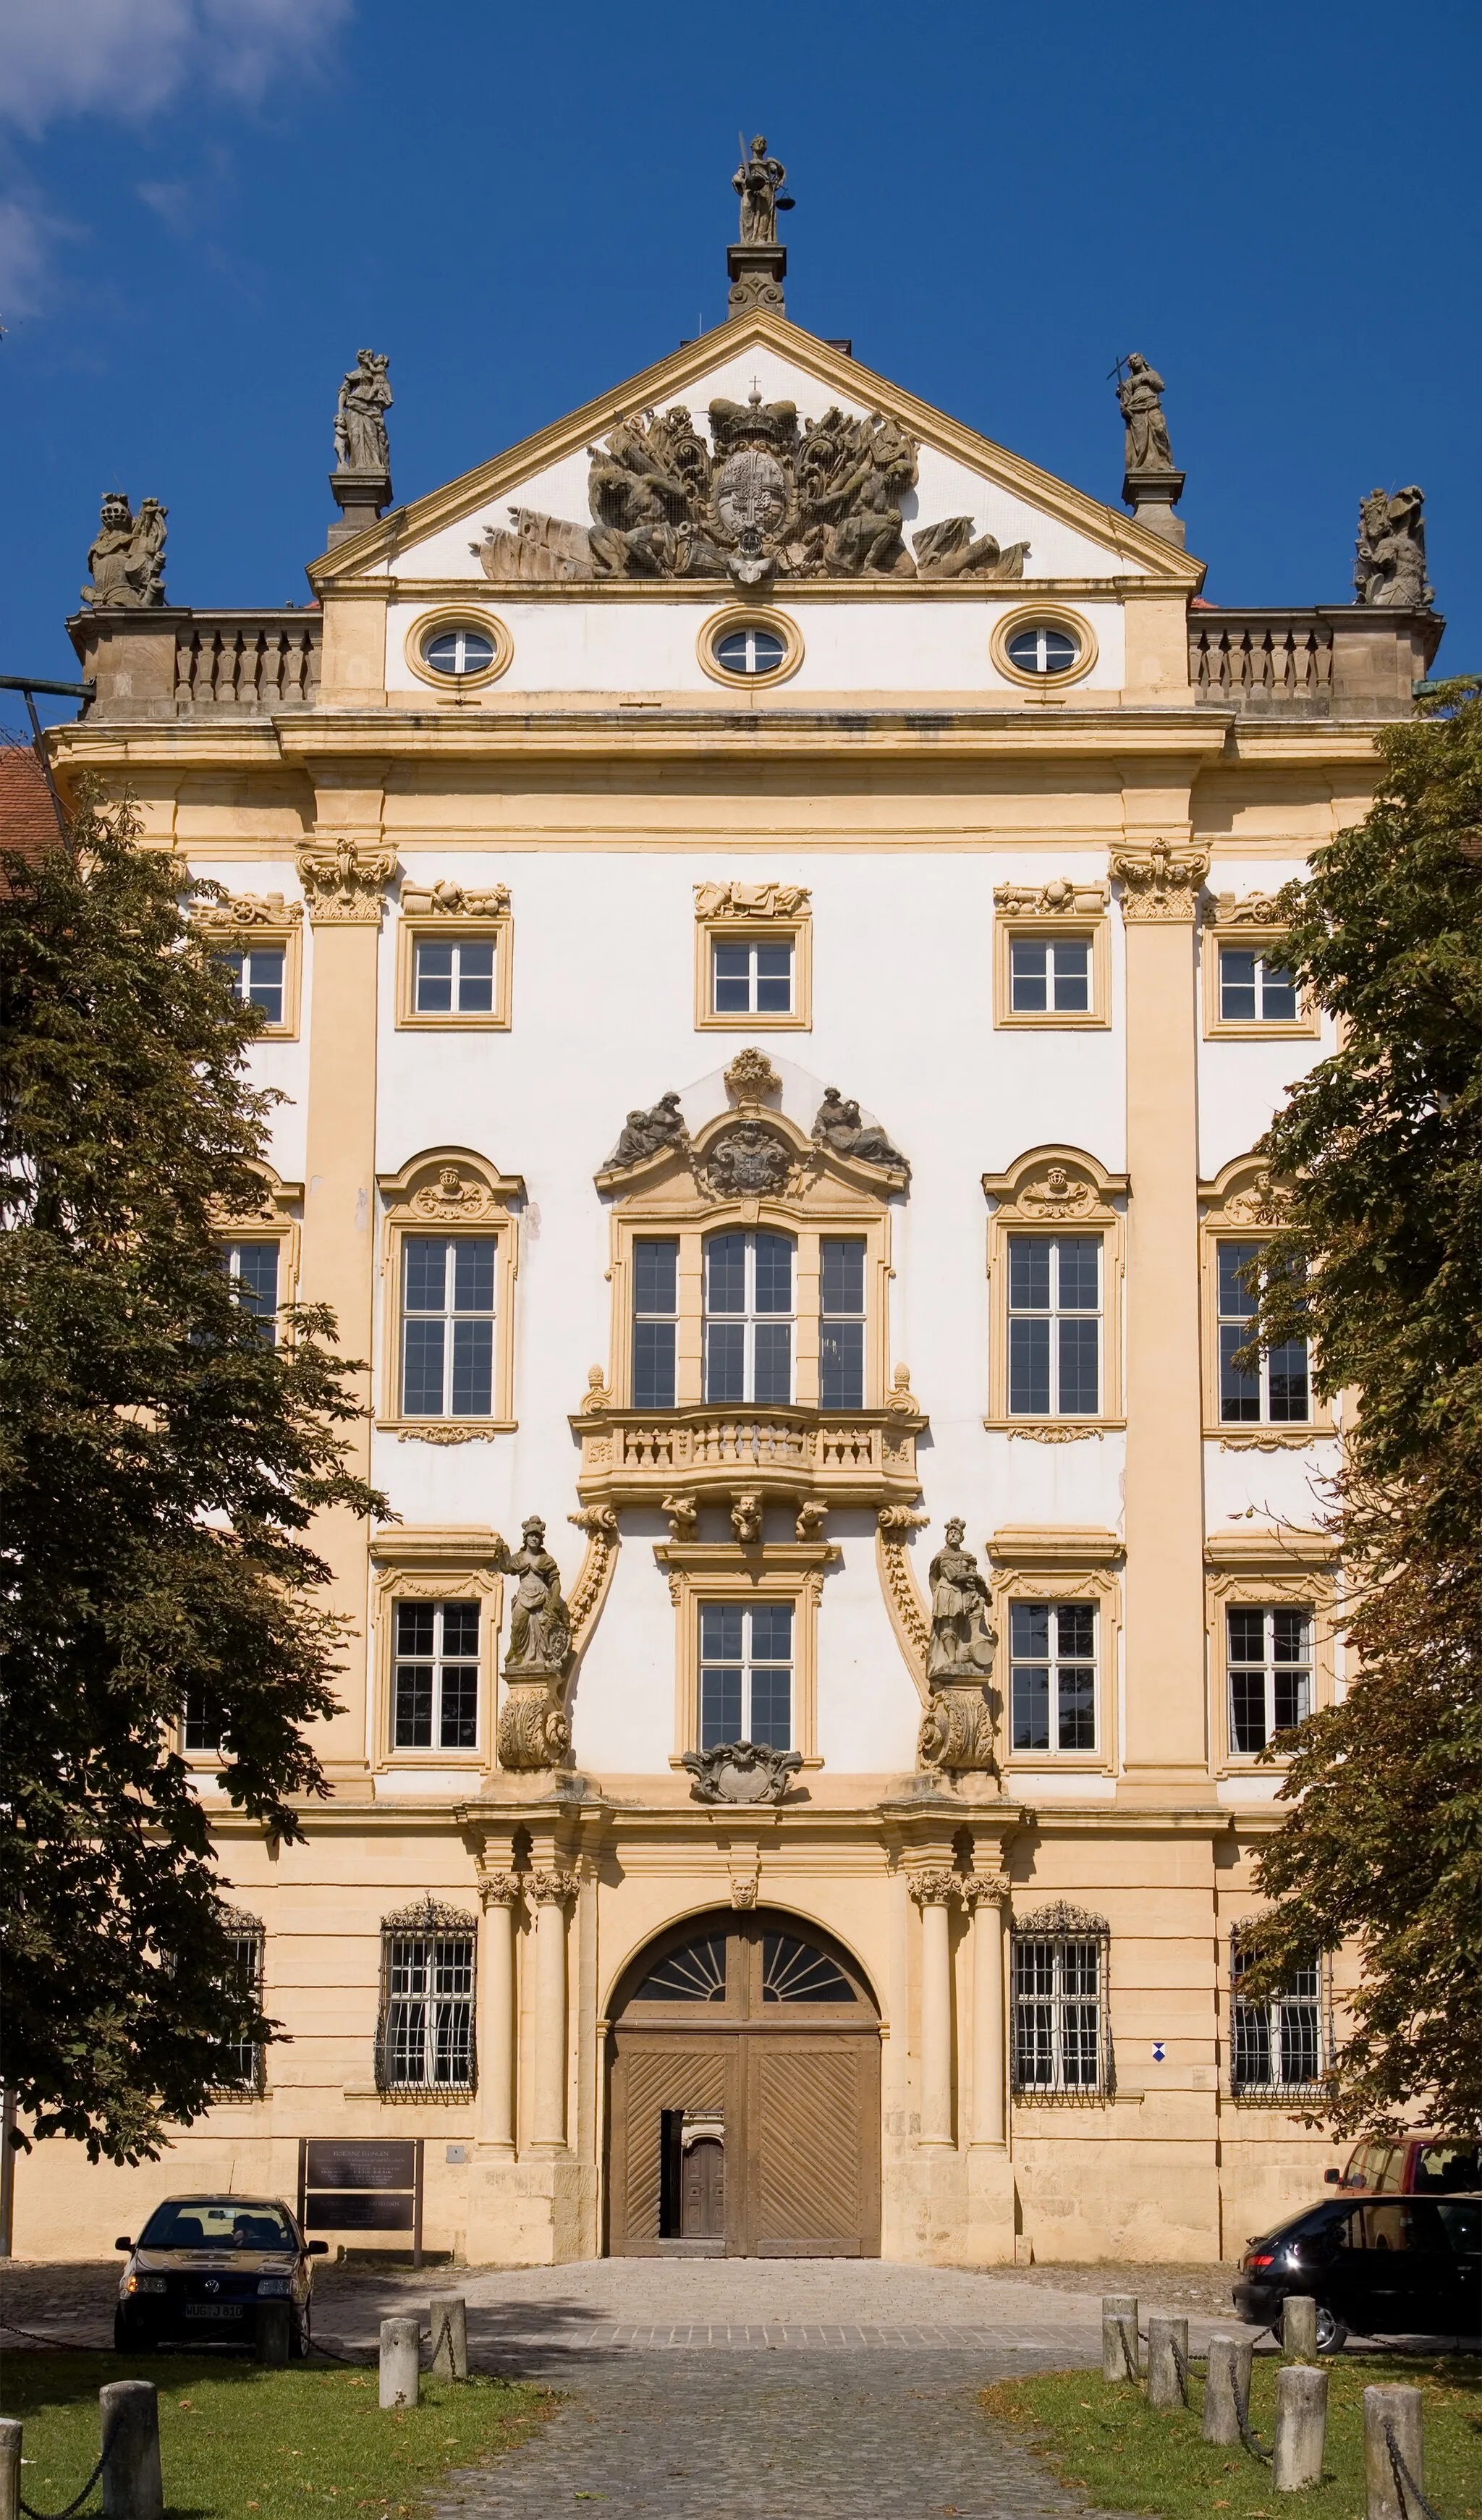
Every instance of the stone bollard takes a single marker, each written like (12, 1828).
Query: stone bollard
(273, 2334)
(9, 2468)
(1164, 2386)
(400, 2361)
(1301, 2427)
(448, 2318)
(1119, 2336)
(1226, 2387)
(128, 2415)
(1299, 2327)
(1400, 2408)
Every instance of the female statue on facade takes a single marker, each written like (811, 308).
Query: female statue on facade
(540, 1624)
(1141, 396)
(361, 444)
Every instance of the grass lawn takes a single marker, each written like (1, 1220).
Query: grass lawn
(238, 2440)
(1124, 2456)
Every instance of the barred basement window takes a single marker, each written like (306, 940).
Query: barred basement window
(424, 2045)
(1061, 2035)
(240, 2075)
(1277, 2047)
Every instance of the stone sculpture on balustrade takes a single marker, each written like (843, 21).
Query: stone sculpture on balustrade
(957, 1729)
(127, 556)
(1389, 565)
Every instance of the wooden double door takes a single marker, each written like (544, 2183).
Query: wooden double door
(743, 2115)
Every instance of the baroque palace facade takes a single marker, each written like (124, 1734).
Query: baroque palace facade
(761, 903)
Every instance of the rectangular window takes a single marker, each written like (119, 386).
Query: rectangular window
(252, 1267)
(752, 980)
(200, 1722)
(436, 1704)
(749, 1318)
(1054, 1325)
(841, 1325)
(426, 2037)
(1278, 2046)
(1254, 990)
(256, 973)
(1269, 1662)
(453, 978)
(447, 1325)
(1059, 1995)
(1053, 1674)
(655, 1323)
(1277, 1391)
(745, 1673)
(1052, 977)
(240, 2064)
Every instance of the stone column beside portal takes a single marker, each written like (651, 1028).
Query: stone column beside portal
(987, 1895)
(499, 1892)
(552, 1891)
(934, 1891)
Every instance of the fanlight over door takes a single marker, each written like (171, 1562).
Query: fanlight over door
(745, 2115)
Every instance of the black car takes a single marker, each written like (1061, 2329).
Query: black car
(203, 2268)
(1392, 2266)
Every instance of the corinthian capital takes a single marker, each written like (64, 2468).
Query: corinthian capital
(936, 1886)
(987, 1889)
(343, 884)
(1160, 882)
(499, 1889)
(553, 1889)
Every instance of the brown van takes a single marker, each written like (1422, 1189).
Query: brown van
(1417, 2165)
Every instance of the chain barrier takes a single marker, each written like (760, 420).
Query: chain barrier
(77, 2499)
(1256, 2448)
(59, 2344)
(1404, 2484)
(1181, 2363)
(1129, 2352)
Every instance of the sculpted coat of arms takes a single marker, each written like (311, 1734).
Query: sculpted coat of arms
(766, 498)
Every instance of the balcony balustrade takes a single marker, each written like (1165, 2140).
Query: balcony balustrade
(861, 1457)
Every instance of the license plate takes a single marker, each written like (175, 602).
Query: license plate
(213, 2309)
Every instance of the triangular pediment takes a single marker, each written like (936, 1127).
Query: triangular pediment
(543, 489)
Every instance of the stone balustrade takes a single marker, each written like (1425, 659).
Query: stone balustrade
(254, 662)
(1336, 662)
(634, 1457)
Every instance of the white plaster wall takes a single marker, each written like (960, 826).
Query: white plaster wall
(280, 1066)
(566, 647)
(946, 487)
(1241, 1083)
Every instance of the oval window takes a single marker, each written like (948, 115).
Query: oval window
(749, 651)
(459, 648)
(1041, 650)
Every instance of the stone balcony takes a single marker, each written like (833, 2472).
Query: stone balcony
(171, 664)
(864, 1456)
(1334, 662)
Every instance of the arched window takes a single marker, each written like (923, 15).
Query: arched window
(749, 1306)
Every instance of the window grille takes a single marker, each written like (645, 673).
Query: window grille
(241, 2076)
(1276, 1393)
(1061, 2029)
(1054, 1325)
(425, 2039)
(1278, 2049)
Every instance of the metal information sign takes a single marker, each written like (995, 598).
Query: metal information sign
(349, 2186)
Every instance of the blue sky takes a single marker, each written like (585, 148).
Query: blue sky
(207, 206)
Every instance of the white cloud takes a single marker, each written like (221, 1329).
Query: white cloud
(27, 240)
(123, 59)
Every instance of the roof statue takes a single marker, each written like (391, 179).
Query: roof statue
(759, 180)
(127, 556)
(1389, 565)
(361, 444)
(1151, 482)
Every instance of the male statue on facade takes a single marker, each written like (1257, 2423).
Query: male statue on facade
(127, 556)
(962, 1641)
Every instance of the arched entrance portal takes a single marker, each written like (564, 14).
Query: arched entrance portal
(743, 2111)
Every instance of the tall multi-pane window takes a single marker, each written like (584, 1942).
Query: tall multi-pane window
(252, 1267)
(1054, 1325)
(1050, 975)
(655, 1323)
(1267, 1657)
(841, 1324)
(447, 1325)
(240, 2067)
(1059, 1996)
(1053, 1674)
(453, 977)
(749, 1318)
(1276, 1391)
(255, 973)
(1276, 2045)
(436, 1688)
(1254, 989)
(752, 980)
(200, 1720)
(745, 1673)
(425, 2036)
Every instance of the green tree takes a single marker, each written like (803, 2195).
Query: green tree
(160, 1461)
(1379, 1257)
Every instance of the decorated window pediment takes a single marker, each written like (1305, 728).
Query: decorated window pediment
(449, 1259)
(1056, 1240)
